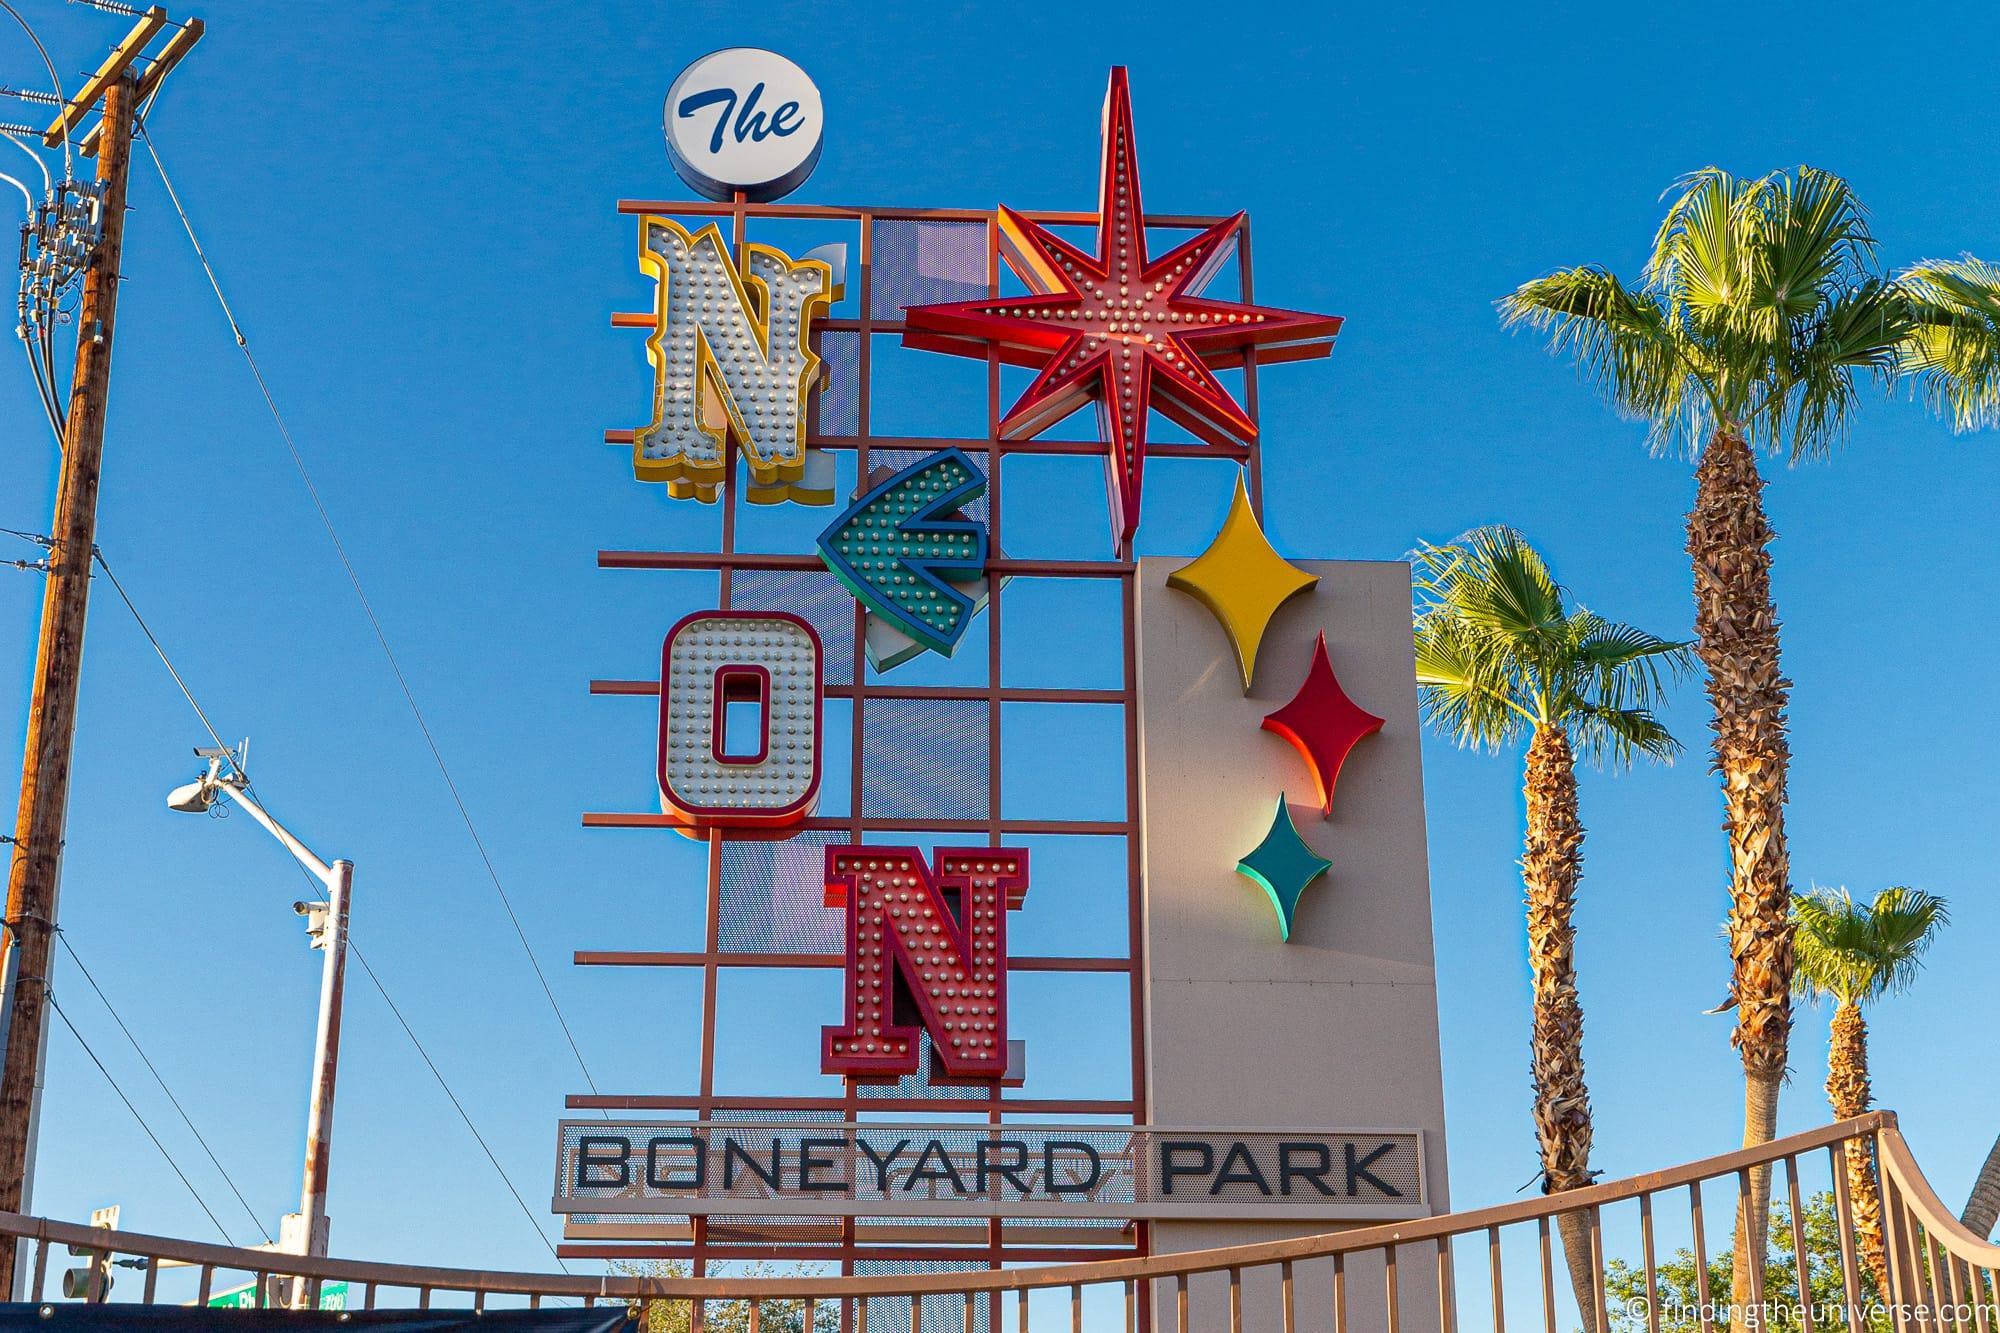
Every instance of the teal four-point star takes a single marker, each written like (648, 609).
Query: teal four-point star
(1282, 865)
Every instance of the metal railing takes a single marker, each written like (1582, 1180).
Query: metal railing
(1658, 1262)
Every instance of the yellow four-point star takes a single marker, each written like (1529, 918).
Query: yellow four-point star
(1242, 580)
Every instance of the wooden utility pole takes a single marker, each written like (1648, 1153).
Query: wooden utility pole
(45, 769)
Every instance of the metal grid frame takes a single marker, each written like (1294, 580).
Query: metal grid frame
(992, 451)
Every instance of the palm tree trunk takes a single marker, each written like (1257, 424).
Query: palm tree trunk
(1736, 631)
(1551, 864)
(1746, 1274)
(1983, 1208)
(1848, 1092)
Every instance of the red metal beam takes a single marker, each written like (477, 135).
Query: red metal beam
(605, 1101)
(705, 560)
(1011, 695)
(649, 958)
(709, 208)
(1079, 827)
(1234, 453)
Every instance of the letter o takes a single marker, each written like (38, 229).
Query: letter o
(714, 658)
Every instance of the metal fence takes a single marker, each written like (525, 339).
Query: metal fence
(1658, 1262)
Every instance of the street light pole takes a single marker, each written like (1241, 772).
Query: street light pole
(303, 1232)
(326, 1056)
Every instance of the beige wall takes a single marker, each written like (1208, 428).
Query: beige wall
(1337, 1028)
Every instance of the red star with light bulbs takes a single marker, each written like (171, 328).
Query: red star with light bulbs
(1120, 328)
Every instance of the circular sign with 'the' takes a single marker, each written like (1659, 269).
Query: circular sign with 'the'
(744, 119)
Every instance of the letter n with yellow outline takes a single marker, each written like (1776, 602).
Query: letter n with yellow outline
(732, 361)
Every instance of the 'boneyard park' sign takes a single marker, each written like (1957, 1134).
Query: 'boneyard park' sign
(655, 1168)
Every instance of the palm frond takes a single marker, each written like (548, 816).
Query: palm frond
(1618, 336)
(1953, 347)
(1698, 262)
(1812, 240)
(1500, 583)
(1463, 690)
(1906, 922)
(1627, 666)
(1760, 309)
(1606, 735)
(1855, 953)
(1860, 329)
(1500, 654)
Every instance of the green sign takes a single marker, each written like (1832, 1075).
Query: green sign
(332, 1296)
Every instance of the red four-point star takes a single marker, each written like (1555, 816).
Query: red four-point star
(1130, 332)
(1323, 724)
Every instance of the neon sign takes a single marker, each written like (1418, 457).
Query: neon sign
(732, 360)
(744, 119)
(624, 1168)
(769, 660)
(905, 556)
(1118, 328)
(924, 951)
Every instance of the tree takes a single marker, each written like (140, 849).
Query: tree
(1982, 1206)
(1953, 354)
(1854, 955)
(1757, 314)
(1681, 1292)
(1499, 657)
(724, 1316)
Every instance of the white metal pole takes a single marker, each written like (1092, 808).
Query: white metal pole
(326, 1057)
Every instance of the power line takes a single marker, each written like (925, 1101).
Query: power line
(227, 1238)
(354, 580)
(47, 544)
(319, 890)
(505, 1179)
(165, 661)
(70, 949)
(55, 81)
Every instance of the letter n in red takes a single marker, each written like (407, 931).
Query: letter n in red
(923, 951)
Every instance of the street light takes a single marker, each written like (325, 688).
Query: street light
(303, 1232)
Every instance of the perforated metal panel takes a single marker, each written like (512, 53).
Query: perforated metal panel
(897, 1171)
(773, 896)
(922, 263)
(840, 390)
(924, 759)
(725, 1228)
(918, 1084)
(815, 597)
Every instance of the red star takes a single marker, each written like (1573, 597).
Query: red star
(1323, 723)
(1128, 331)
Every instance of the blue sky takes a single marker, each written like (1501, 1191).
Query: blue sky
(412, 210)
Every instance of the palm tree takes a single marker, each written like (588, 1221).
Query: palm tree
(1499, 657)
(1953, 354)
(1758, 312)
(1982, 1206)
(1854, 955)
